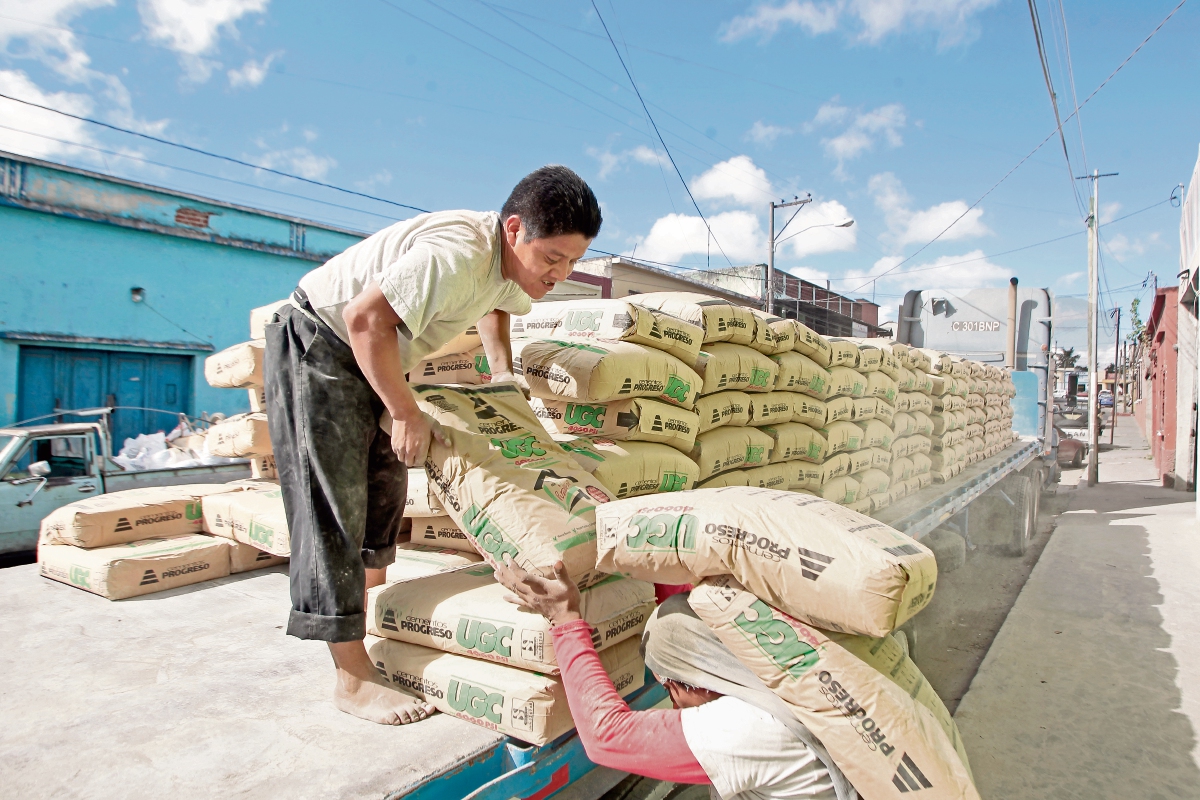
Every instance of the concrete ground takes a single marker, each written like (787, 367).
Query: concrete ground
(1091, 689)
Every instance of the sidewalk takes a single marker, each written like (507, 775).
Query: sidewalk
(1092, 687)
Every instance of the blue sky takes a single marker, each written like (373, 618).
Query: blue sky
(899, 114)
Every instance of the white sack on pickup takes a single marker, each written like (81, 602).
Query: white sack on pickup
(616, 320)
(832, 567)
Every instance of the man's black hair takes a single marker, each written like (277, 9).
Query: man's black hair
(553, 201)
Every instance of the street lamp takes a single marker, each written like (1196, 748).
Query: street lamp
(846, 223)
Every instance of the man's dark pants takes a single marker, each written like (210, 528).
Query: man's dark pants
(343, 487)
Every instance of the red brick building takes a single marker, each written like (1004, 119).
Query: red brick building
(1160, 375)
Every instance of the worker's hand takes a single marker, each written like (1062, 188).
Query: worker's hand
(411, 437)
(556, 599)
(503, 377)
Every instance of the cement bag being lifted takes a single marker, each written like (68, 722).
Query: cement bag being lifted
(421, 501)
(513, 702)
(602, 371)
(637, 420)
(731, 366)
(237, 367)
(730, 448)
(721, 320)
(464, 611)
(833, 568)
(441, 532)
(128, 516)
(799, 373)
(507, 484)
(468, 368)
(863, 699)
(614, 320)
(136, 568)
(723, 408)
(240, 436)
(629, 469)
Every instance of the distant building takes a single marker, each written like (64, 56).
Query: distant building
(1159, 376)
(116, 291)
(1187, 394)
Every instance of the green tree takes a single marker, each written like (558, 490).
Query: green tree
(1138, 328)
(1068, 358)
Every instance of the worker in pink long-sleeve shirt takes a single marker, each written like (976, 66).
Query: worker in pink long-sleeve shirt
(726, 728)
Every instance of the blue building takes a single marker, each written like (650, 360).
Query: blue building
(114, 292)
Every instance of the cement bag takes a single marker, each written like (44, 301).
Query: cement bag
(264, 468)
(922, 444)
(602, 371)
(812, 344)
(730, 448)
(513, 490)
(921, 463)
(903, 401)
(467, 369)
(842, 353)
(614, 320)
(902, 468)
(732, 366)
(898, 490)
(466, 342)
(244, 558)
(637, 420)
(794, 440)
(630, 469)
(258, 398)
(464, 611)
(922, 423)
(771, 408)
(870, 357)
(514, 702)
(723, 408)
(863, 699)
(880, 501)
(733, 477)
(875, 433)
(885, 413)
(420, 560)
(903, 424)
(253, 516)
(721, 320)
(129, 516)
(441, 532)
(842, 491)
(259, 317)
(864, 409)
(842, 436)
(772, 334)
(920, 402)
(924, 480)
(846, 382)
(943, 459)
(837, 569)
(809, 410)
(136, 568)
(880, 458)
(890, 365)
(923, 382)
(803, 475)
(799, 373)
(939, 363)
(237, 367)
(881, 386)
(939, 424)
(240, 436)
(773, 476)
(860, 460)
(835, 466)
(839, 409)
(863, 505)
(421, 501)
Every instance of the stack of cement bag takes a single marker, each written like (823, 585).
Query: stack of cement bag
(503, 488)
(806, 593)
(141, 541)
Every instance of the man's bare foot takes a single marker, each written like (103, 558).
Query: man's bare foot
(363, 692)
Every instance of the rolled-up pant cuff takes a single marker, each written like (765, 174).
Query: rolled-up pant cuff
(350, 628)
(378, 559)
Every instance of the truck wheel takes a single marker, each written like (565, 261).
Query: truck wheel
(1077, 461)
(1036, 480)
(1018, 488)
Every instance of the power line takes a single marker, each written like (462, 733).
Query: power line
(650, 117)
(1050, 136)
(210, 154)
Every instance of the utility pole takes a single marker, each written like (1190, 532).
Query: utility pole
(769, 306)
(1112, 428)
(1093, 470)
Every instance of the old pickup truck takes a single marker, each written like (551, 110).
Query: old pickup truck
(43, 467)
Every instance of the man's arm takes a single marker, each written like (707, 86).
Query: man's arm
(494, 331)
(371, 322)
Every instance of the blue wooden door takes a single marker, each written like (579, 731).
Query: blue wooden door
(149, 390)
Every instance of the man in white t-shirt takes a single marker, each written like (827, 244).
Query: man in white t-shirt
(337, 358)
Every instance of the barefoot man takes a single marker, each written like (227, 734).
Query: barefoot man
(337, 358)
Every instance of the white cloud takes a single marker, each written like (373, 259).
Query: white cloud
(381, 178)
(1108, 212)
(192, 28)
(868, 20)
(969, 270)
(1122, 246)
(762, 133)
(16, 115)
(813, 231)
(42, 27)
(1065, 281)
(610, 161)
(906, 225)
(737, 180)
(864, 131)
(299, 160)
(252, 73)
(739, 233)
